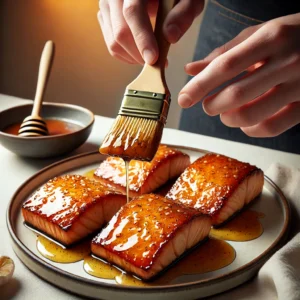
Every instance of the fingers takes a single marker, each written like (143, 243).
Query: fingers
(136, 16)
(285, 119)
(181, 18)
(259, 109)
(194, 68)
(252, 85)
(242, 36)
(225, 67)
(127, 28)
(121, 31)
(114, 48)
(262, 103)
(262, 107)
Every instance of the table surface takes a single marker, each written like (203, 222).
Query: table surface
(15, 170)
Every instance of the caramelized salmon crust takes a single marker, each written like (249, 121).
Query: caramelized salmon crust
(143, 177)
(218, 186)
(70, 207)
(148, 234)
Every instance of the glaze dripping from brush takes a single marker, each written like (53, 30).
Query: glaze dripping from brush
(133, 138)
(127, 178)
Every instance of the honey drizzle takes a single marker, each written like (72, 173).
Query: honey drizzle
(244, 227)
(56, 253)
(127, 179)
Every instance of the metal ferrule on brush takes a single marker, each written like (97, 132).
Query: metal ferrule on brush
(148, 105)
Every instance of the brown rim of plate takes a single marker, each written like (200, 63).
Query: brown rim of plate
(45, 137)
(258, 261)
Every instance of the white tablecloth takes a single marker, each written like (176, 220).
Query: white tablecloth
(15, 170)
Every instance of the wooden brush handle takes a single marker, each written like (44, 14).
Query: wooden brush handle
(45, 65)
(152, 77)
(165, 6)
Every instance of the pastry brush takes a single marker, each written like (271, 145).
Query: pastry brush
(137, 130)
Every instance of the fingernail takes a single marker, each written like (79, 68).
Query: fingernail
(148, 56)
(185, 100)
(208, 109)
(173, 33)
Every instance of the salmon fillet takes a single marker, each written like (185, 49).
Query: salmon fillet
(144, 177)
(218, 186)
(148, 234)
(70, 207)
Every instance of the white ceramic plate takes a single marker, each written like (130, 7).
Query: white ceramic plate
(250, 255)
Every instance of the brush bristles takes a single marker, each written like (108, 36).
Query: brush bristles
(133, 138)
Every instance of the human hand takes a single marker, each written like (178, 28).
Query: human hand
(266, 101)
(127, 29)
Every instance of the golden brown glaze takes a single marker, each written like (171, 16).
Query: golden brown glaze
(62, 199)
(70, 200)
(210, 182)
(144, 177)
(138, 238)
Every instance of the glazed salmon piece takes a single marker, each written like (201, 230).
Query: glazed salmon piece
(144, 177)
(218, 186)
(148, 234)
(71, 207)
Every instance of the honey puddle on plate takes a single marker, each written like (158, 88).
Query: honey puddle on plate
(99, 268)
(244, 227)
(212, 255)
(90, 174)
(58, 254)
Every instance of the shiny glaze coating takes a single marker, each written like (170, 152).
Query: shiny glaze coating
(112, 171)
(63, 199)
(139, 231)
(209, 182)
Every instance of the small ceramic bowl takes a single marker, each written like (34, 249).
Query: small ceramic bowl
(51, 145)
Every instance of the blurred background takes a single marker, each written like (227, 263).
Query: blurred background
(83, 72)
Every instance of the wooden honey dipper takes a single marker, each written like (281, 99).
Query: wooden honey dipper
(34, 125)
